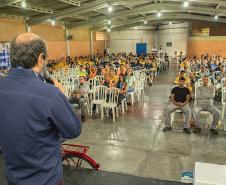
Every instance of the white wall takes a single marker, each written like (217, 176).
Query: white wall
(177, 34)
(125, 41)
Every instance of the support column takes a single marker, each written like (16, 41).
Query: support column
(27, 27)
(105, 44)
(91, 41)
(67, 41)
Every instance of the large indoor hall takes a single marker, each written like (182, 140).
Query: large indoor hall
(112, 92)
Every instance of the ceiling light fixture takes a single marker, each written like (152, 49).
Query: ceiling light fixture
(186, 4)
(170, 23)
(53, 23)
(109, 21)
(109, 30)
(216, 17)
(110, 9)
(23, 4)
(145, 22)
(159, 14)
(135, 28)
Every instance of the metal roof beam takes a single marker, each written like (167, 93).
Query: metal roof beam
(166, 17)
(32, 8)
(12, 16)
(6, 2)
(70, 2)
(151, 8)
(84, 8)
(222, 2)
(79, 17)
(218, 6)
(101, 12)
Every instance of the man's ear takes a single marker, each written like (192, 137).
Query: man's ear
(40, 60)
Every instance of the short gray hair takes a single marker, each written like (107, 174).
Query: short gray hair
(26, 54)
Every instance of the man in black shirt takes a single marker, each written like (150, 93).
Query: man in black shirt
(180, 97)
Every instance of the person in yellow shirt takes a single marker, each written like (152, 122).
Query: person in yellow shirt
(113, 77)
(121, 70)
(82, 71)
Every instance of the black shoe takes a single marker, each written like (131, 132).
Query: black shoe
(214, 131)
(197, 130)
(150, 84)
(166, 129)
(187, 130)
(110, 114)
(83, 118)
(94, 116)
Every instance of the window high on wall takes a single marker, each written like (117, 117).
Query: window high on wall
(203, 32)
(100, 35)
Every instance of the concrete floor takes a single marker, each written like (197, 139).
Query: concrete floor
(136, 145)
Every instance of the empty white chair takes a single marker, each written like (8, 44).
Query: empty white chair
(110, 103)
(140, 88)
(99, 97)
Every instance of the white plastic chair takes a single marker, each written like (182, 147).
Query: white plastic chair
(68, 90)
(99, 97)
(140, 88)
(132, 94)
(92, 84)
(100, 78)
(223, 81)
(223, 100)
(124, 105)
(110, 103)
(215, 74)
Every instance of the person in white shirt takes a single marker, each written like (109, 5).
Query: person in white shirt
(154, 50)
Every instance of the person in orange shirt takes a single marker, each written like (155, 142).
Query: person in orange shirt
(93, 72)
(105, 70)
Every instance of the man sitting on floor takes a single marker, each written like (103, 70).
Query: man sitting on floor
(79, 96)
(180, 97)
(204, 98)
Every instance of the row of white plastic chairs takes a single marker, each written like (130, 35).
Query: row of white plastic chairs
(95, 85)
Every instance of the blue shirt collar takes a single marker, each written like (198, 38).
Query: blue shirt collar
(24, 73)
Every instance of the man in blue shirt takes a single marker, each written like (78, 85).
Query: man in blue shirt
(34, 116)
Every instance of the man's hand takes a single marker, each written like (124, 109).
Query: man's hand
(58, 85)
(180, 104)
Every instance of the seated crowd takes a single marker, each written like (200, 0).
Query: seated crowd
(205, 79)
(113, 71)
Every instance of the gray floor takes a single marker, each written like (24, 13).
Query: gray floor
(135, 143)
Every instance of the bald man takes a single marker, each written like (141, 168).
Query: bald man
(34, 115)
